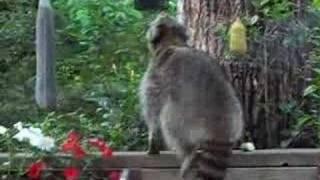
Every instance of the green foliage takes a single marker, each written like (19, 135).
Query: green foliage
(101, 55)
(274, 9)
(316, 4)
(107, 58)
(311, 116)
(105, 66)
(17, 59)
(307, 113)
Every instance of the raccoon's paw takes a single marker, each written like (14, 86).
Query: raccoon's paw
(153, 148)
(153, 151)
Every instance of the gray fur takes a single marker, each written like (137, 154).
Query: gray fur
(185, 94)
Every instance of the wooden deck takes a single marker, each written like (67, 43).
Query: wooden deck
(259, 165)
(289, 164)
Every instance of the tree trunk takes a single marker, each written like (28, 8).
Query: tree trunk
(206, 19)
(272, 75)
(300, 7)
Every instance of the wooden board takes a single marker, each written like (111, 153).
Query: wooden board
(277, 158)
(286, 164)
(242, 174)
(259, 158)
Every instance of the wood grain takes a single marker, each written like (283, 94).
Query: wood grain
(241, 174)
(259, 158)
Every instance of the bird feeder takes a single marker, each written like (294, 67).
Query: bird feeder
(238, 38)
(149, 4)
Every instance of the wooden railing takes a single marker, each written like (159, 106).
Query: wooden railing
(289, 164)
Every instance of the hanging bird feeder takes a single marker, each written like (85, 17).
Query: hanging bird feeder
(149, 4)
(238, 38)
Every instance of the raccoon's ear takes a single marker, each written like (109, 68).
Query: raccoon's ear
(161, 31)
(181, 32)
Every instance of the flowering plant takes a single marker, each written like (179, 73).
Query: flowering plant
(73, 144)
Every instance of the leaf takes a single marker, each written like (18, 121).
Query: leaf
(264, 2)
(317, 70)
(316, 3)
(309, 90)
(254, 19)
(303, 121)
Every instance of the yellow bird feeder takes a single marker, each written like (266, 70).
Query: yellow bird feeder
(238, 38)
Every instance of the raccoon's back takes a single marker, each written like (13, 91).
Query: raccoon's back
(202, 110)
(198, 83)
(198, 78)
(201, 100)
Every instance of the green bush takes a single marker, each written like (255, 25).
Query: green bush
(101, 56)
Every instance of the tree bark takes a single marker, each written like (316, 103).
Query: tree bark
(206, 19)
(272, 75)
(300, 7)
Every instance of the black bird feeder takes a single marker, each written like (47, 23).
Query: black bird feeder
(150, 4)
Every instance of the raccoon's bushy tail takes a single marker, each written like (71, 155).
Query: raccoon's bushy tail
(213, 160)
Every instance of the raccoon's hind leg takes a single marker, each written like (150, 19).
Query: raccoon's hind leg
(152, 100)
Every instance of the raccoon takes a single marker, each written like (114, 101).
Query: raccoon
(187, 100)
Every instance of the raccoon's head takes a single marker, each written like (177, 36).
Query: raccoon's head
(165, 31)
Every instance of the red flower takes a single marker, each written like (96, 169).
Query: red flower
(114, 175)
(72, 144)
(72, 140)
(71, 173)
(74, 136)
(106, 153)
(34, 170)
(68, 146)
(97, 142)
(75, 148)
(105, 150)
(78, 152)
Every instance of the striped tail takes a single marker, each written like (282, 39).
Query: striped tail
(213, 160)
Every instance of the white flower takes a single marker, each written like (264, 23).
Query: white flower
(36, 131)
(35, 137)
(46, 144)
(3, 129)
(18, 125)
(247, 146)
(27, 134)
